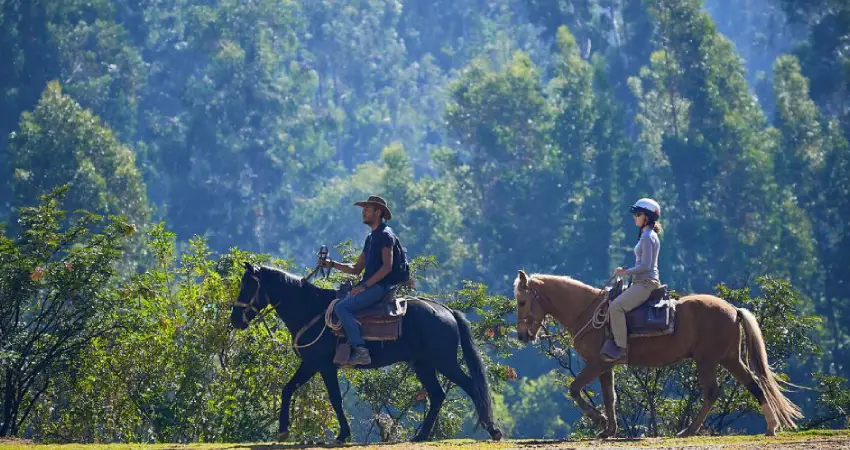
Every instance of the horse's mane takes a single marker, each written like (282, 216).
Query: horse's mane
(557, 281)
(291, 281)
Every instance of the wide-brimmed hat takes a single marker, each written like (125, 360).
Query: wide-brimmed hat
(378, 202)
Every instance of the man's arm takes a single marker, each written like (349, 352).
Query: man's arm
(386, 267)
(352, 269)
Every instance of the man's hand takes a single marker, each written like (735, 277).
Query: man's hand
(357, 289)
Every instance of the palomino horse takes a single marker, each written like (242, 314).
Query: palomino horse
(432, 334)
(706, 330)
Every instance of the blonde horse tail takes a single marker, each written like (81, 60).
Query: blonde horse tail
(755, 358)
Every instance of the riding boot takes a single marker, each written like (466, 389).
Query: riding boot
(359, 356)
(613, 353)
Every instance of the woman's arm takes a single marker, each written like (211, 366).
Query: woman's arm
(645, 249)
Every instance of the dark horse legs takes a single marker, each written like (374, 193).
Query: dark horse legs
(456, 375)
(301, 376)
(332, 385)
(428, 377)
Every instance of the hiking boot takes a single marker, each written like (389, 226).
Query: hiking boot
(359, 356)
(612, 353)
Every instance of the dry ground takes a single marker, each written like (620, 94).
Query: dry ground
(820, 440)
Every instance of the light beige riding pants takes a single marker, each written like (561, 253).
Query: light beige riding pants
(630, 299)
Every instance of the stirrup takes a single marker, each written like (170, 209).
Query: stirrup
(360, 358)
(612, 353)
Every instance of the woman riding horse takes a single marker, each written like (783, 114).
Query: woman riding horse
(707, 329)
(645, 277)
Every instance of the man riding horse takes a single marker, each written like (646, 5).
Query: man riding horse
(377, 258)
(433, 332)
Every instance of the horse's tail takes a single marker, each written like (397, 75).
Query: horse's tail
(475, 365)
(756, 361)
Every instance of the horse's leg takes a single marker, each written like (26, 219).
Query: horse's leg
(609, 396)
(428, 377)
(707, 373)
(331, 380)
(457, 376)
(301, 376)
(745, 377)
(583, 379)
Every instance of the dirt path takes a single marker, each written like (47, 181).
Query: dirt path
(818, 440)
(822, 439)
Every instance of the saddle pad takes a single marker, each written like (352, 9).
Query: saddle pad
(377, 330)
(653, 318)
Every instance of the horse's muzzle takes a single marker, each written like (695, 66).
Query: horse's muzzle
(525, 337)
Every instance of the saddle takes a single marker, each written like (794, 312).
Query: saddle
(654, 317)
(381, 321)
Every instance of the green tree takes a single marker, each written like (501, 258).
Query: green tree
(540, 407)
(54, 277)
(426, 216)
(707, 144)
(823, 54)
(177, 372)
(231, 135)
(506, 159)
(62, 143)
(812, 162)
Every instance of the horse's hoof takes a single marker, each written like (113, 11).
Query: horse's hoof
(342, 439)
(283, 436)
(770, 433)
(600, 421)
(496, 434)
(606, 434)
(685, 433)
(419, 438)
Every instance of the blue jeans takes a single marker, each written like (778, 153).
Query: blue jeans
(346, 307)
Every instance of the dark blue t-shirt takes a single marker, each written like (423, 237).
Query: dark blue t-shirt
(382, 237)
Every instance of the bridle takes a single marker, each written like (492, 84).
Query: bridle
(596, 321)
(530, 322)
(252, 304)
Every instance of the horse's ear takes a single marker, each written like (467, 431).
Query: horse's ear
(249, 267)
(523, 279)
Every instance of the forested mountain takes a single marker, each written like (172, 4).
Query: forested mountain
(505, 134)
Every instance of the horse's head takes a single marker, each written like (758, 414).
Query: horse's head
(251, 300)
(530, 312)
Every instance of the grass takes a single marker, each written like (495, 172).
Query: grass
(812, 438)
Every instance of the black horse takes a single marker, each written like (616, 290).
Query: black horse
(429, 343)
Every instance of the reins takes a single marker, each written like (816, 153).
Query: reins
(598, 320)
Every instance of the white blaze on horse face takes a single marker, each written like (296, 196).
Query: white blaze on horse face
(526, 330)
